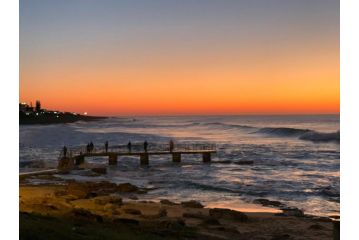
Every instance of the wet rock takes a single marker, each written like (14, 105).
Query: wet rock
(142, 191)
(127, 187)
(292, 212)
(50, 206)
(92, 194)
(78, 190)
(132, 211)
(316, 227)
(146, 201)
(88, 173)
(160, 214)
(266, 202)
(43, 207)
(198, 215)
(103, 184)
(192, 204)
(222, 161)
(92, 189)
(181, 222)
(50, 177)
(60, 193)
(322, 219)
(331, 192)
(167, 202)
(226, 229)
(86, 215)
(133, 197)
(211, 221)
(99, 170)
(281, 237)
(109, 207)
(228, 213)
(126, 221)
(115, 200)
(244, 162)
(169, 224)
(109, 199)
(336, 230)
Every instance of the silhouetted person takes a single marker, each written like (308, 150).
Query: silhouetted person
(129, 146)
(172, 145)
(106, 146)
(88, 148)
(145, 145)
(65, 151)
(91, 146)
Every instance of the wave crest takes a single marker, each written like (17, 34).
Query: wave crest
(321, 137)
(303, 134)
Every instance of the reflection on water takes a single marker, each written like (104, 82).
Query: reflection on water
(242, 206)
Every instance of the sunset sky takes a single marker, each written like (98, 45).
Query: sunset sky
(149, 57)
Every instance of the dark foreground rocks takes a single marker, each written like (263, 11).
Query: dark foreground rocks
(192, 204)
(99, 170)
(266, 202)
(228, 213)
(92, 189)
(33, 226)
(167, 202)
(88, 210)
(292, 212)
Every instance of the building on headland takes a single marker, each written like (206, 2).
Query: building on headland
(29, 109)
(38, 106)
(26, 108)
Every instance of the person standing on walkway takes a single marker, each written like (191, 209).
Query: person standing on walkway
(145, 145)
(129, 146)
(106, 146)
(65, 151)
(172, 146)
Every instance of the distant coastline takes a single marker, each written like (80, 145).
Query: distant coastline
(53, 119)
(37, 115)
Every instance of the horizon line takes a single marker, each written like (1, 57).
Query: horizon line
(217, 115)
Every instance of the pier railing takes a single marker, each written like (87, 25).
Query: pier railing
(139, 147)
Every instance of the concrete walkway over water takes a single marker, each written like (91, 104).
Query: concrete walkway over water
(113, 153)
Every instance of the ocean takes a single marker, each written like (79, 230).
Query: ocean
(296, 159)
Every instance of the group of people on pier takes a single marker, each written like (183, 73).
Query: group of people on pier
(90, 147)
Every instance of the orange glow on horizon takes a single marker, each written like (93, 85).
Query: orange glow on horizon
(276, 88)
(275, 80)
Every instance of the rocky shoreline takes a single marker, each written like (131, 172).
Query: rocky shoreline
(68, 209)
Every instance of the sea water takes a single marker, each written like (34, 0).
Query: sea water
(295, 158)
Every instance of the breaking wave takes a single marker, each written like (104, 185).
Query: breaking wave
(321, 137)
(303, 134)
